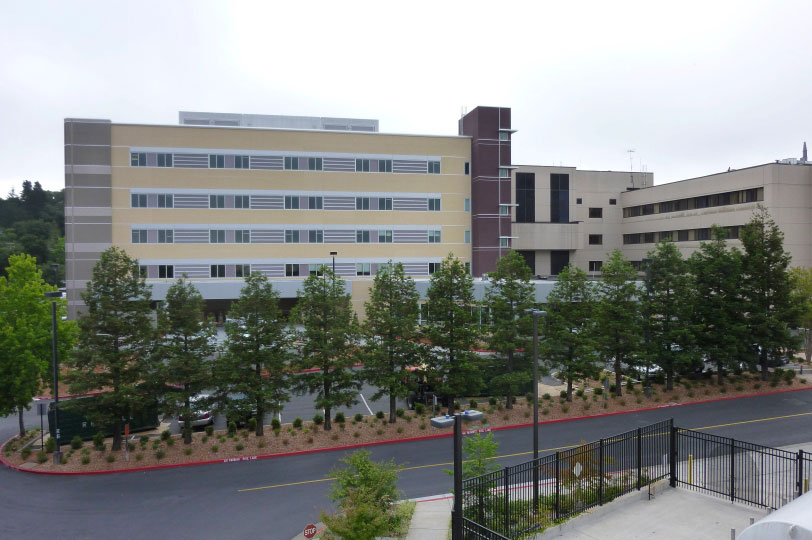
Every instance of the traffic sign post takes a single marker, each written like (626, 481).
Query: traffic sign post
(310, 531)
(41, 410)
(127, 442)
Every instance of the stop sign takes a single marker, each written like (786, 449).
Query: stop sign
(310, 531)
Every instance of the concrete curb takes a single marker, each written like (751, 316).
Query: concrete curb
(376, 443)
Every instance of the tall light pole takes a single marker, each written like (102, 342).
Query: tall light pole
(54, 295)
(333, 255)
(536, 313)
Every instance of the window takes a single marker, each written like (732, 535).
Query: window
(362, 237)
(466, 205)
(504, 172)
(525, 197)
(138, 159)
(218, 270)
(316, 269)
(467, 168)
(504, 136)
(434, 237)
(434, 205)
(595, 266)
(362, 165)
(385, 203)
(434, 167)
(217, 236)
(166, 271)
(217, 201)
(291, 163)
(612, 201)
(242, 201)
(142, 270)
(165, 236)
(138, 200)
(217, 161)
(242, 162)
(384, 237)
(315, 237)
(242, 236)
(139, 236)
(596, 212)
(165, 201)
(384, 165)
(504, 209)
(315, 203)
(291, 237)
(291, 270)
(559, 198)
(243, 270)
(682, 236)
(504, 242)
(467, 237)
(703, 234)
(648, 238)
(362, 269)
(291, 202)
(558, 260)
(433, 267)
(362, 203)
(314, 164)
(579, 200)
(164, 160)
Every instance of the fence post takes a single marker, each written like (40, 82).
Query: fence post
(800, 472)
(507, 501)
(600, 468)
(639, 457)
(732, 470)
(456, 516)
(672, 455)
(557, 484)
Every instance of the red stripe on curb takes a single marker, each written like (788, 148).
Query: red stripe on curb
(377, 443)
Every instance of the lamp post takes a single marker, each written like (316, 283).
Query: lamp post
(333, 255)
(54, 295)
(536, 313)
(647, 314)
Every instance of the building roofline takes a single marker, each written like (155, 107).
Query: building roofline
(722, 172)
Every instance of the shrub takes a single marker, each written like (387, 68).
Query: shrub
(239, 447)
(318, 419)
(85, 460)
(400, 429)
(252, 424)
(562, 394)
(297, 422)
(232, 427)
(788, 376)
(613, 389)
(527, 414)
(598, 391)
(160, 454)
(170, 441)
(98, 439)
(379, 415)
(358, 417)
(42, 457)
(165, 435)
(85, 451)
(310, 440)
(587, 406)
(492, 401)
(276, 432)
(379, 432)
(472, 404)
(144, 439)
(579, 392)
(723, 389)
(565, 408)
(209, 430)
(261, 444)
(400, 413)
(64, 460)
(101, 448)
(50, 445)
(622, 402)
(76, 442)
(285, 442)
(111, 458)
(130, 446)
(139, 457)
(639, 400)
(215, 448)
(545, 412)
(408, 418)
(529, 398)
(276, 424)
(339, 417)
(690, 393)
(739, 388)
(505, 417)
(334, 436)
(420, 409)
(802, 381)
(205, 438)
(422, 425)
(188, 451)
(356, 434)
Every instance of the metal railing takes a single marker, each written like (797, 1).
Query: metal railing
(510, 502)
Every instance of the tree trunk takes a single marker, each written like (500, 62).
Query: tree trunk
(569, 389)
(509, 396)
(669, 379)
(260, 418)
(450, 404)
(392, 405)
(20, 410)
(187, 422)
(765, 371)
(808, 344)
(327, 413)
(327, 409)
(720, 376)
(618, 376)
(116, 435)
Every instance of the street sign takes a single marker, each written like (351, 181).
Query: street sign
(310, 531)
(577, 470)
(42, 409)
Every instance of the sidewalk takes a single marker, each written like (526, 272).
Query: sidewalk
(431, 520)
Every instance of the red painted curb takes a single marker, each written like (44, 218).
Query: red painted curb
(378, 443)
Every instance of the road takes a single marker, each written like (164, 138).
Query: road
(275, 498)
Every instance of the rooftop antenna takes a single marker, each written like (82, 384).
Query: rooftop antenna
(631, 164)
(804, 156)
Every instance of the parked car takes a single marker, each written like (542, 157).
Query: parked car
(200, 418)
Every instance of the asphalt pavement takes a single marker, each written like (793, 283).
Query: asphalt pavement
(275, 498)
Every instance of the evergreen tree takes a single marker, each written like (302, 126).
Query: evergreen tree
(25, 335)
(116, 343)
(186, 348)
(802, 292)
(390, 334)
(451, 331)
(253, 373)
(509, 295)
(569, 333)
(328, 343)
(617, 317)
(767, 289)
(720, 332)
(668, 304)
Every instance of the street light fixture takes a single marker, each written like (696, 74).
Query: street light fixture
(54, 295)
(333, 255)
(536, 313)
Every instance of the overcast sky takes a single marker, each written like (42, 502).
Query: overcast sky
(693, 88)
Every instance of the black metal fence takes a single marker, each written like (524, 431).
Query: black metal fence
(529, 496)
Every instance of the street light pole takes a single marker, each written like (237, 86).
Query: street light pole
(536, 313)
(333, 255)
(53, 295)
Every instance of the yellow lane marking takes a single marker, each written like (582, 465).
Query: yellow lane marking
(415, 467)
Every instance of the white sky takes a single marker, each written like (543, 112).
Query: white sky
(694, 87)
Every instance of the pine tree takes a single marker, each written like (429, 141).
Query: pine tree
(720, 333)
(451, 332)
(569, 331)
(116, 342)
(252, 374)
(802, 293)
(390, 333)
(667, 305)
(509, 295)
(767, 289)
(329, 343)
(618, 317)
(185, 348)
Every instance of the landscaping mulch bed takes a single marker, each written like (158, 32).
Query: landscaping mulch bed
(245, 446)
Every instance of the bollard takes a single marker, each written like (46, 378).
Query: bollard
(732, 534)
(752, 520)
(690, 469)
(806, 485)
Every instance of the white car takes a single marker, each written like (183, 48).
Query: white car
(199, 418)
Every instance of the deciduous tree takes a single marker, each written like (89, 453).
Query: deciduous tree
(802, 291)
